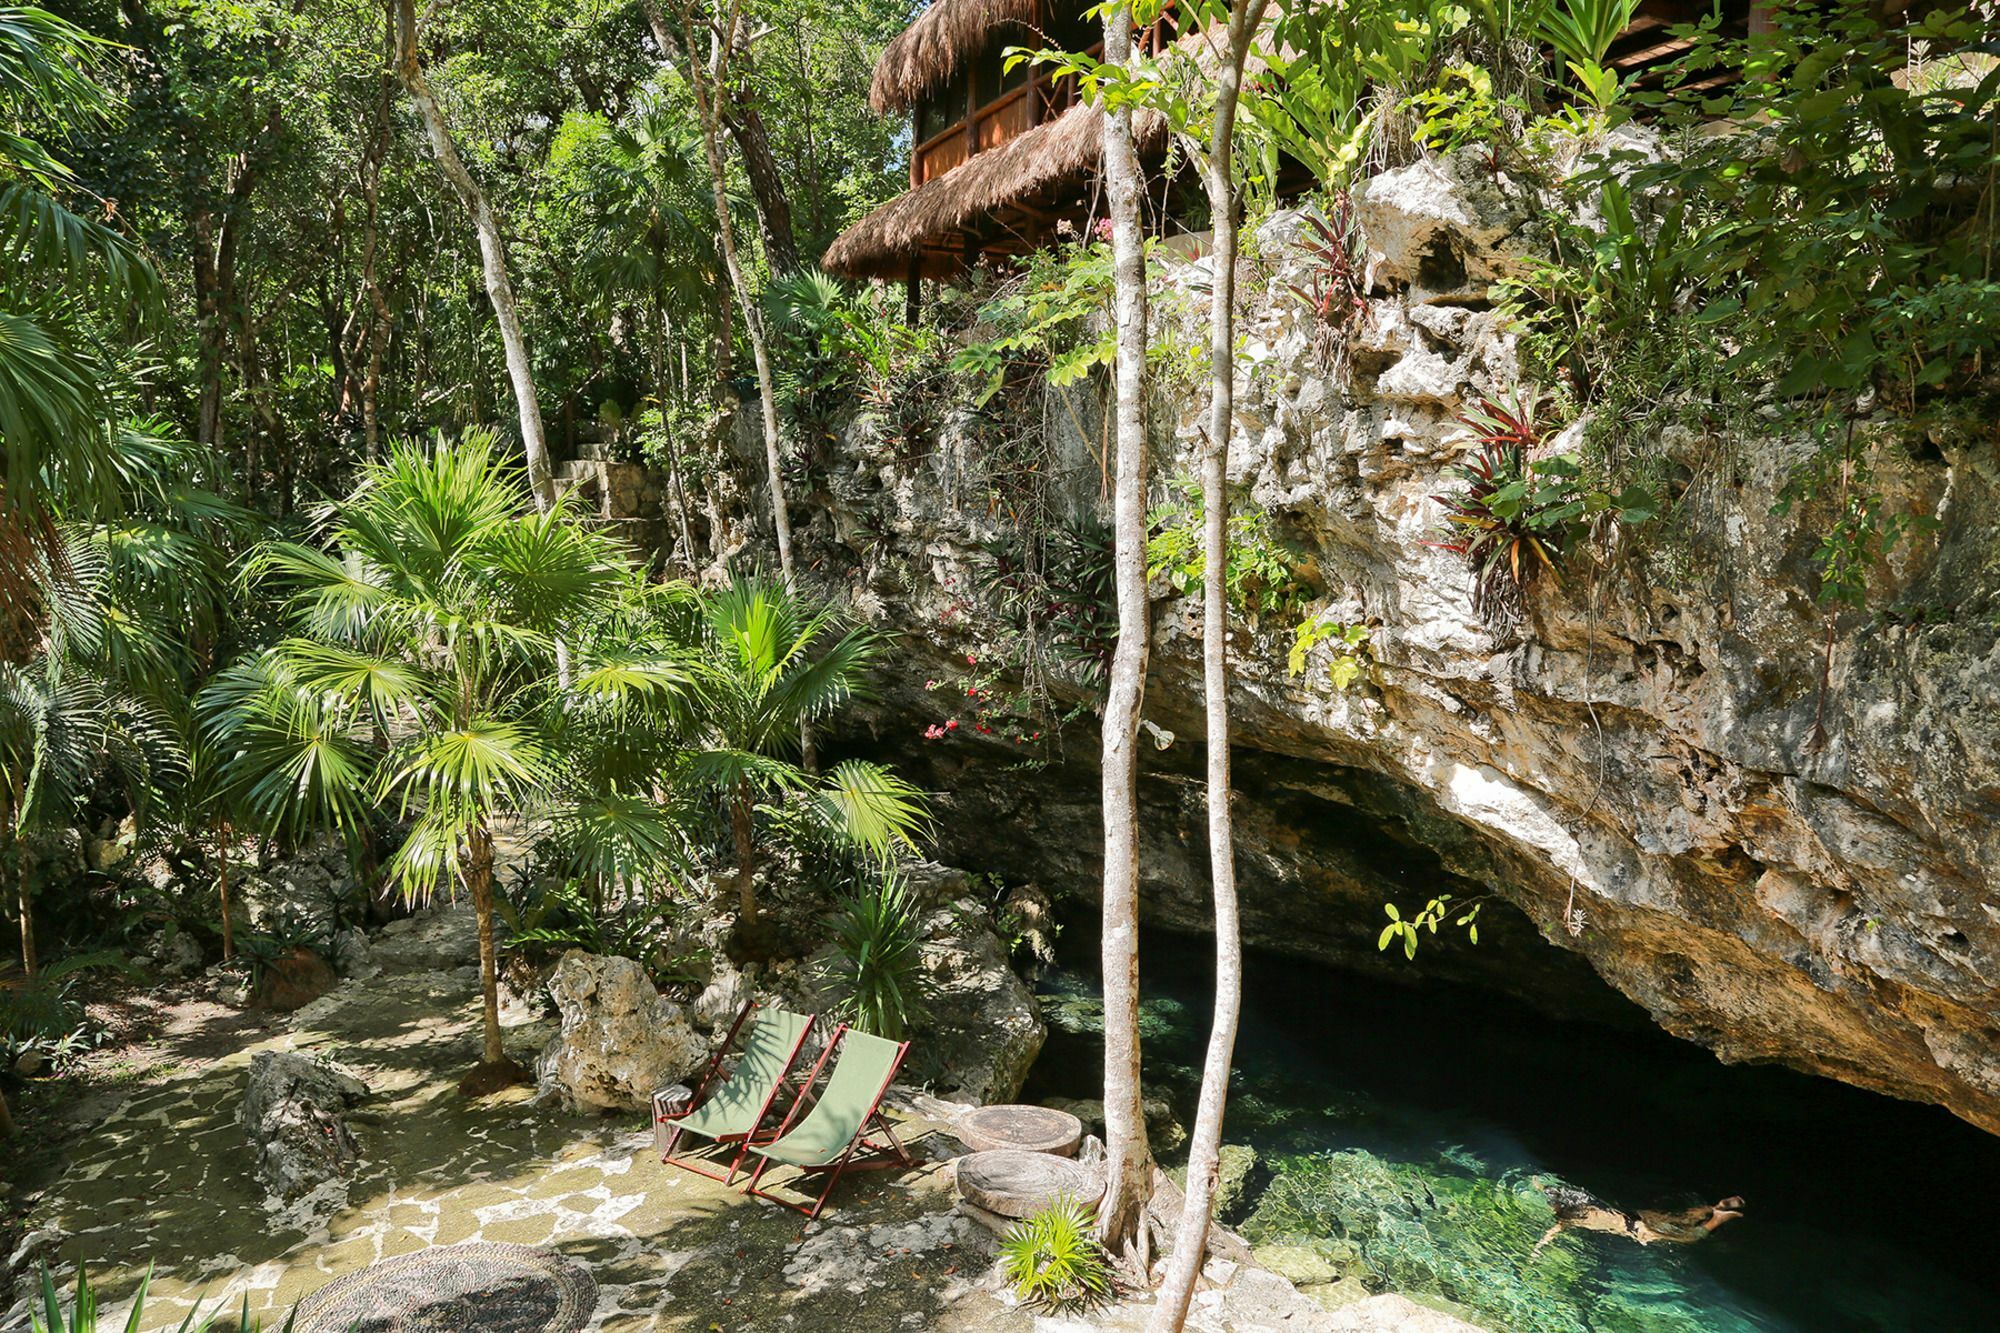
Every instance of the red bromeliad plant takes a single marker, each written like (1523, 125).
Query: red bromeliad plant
(1338, 289)
(1518, 514)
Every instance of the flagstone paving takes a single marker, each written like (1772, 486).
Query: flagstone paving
(169, 1180)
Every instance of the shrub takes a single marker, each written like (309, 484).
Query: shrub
(1054, 1259)
(878, 961)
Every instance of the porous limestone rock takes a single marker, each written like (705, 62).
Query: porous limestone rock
(294, 1112)
(1394, 1314)
(984, 1029)
(1780, 845)
(620, 1041)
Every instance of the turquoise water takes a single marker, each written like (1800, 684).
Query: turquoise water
(1402, 1131)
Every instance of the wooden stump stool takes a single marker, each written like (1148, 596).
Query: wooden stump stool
(1041, 1129)
(1009, 1183)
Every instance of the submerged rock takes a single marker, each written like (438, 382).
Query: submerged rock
(620, 1041)
(294, 1112)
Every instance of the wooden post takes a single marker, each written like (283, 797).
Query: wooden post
(913, 290)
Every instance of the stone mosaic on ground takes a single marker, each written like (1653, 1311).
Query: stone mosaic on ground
(170, 1179)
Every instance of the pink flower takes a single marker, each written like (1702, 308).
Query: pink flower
(930, 684)
(970, 660)
(951, 725)
(934, 732)
(1104, 229)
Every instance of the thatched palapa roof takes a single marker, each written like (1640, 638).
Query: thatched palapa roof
(943, 38)
(882, 244)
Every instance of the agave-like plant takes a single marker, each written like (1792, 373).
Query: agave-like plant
(1506, 525)
(878, 959)
(81, 1317)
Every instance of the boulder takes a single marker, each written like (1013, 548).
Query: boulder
(294, 1112)
(619, 1041)
(293, 981)
(352, 956)
(984, 1029)
(435, 941)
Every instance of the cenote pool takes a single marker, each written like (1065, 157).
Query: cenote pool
(1400, 1131)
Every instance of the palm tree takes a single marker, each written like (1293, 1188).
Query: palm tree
(422, 674)
(52, 406)
(766, 667)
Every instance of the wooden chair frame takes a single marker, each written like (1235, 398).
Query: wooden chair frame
(878, 1156)
(710, 1077)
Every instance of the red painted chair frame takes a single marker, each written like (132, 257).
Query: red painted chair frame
(891, 1155)
(708, 1077)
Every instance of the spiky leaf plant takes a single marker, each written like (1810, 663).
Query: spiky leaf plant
(878, 960)
(1055, 1261)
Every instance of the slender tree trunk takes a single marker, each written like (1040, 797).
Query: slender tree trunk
(492, 255)
(1128, 1165)
(1205, 1147)
(479, 879)
(767, 183)
(30, 961)
(707, 86)
(663, 389)
(6, 1118)
(742, 815)
(222, 888)
(10, 801)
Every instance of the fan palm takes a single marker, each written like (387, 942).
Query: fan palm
(52, 404)
(421, 676)
(767, 666)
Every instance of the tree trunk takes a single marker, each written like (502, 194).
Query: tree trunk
(1205, 1147)
(492, 255)
(222, 888)
(30, 962)
(706, 83)
(1128, 1164)
(741, 822)
(479, 879)
(662, 390)
(767, 183)
(10, 802)
(6, 1118)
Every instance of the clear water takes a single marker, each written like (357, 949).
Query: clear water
(1401, 1132)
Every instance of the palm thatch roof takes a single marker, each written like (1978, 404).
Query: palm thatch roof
(883, 244)
(932, 49)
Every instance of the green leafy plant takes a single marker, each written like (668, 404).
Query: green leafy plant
(1582, 32)
(1460, 110)
(1054, 1260)
(878, 959)
(1346, 647)
(1261, 573)
(82, 1316)
(1428, 918)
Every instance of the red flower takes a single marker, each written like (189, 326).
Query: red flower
(951, 725)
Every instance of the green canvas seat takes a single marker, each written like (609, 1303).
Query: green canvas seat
(841, 1118)
(728, 1109)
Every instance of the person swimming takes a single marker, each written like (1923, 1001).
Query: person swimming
(1576, 1210)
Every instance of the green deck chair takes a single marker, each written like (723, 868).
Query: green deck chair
(847, 1110)
(729, 1108)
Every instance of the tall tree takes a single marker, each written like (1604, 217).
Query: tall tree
(492, 253)
(1121, 1216)
(707, 79)
(1235, 29)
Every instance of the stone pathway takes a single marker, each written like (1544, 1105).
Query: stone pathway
(168, 1179)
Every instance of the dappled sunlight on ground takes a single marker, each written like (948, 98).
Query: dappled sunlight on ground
(169, 1179)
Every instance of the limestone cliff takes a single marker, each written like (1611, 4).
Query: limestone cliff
(1631, 762)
